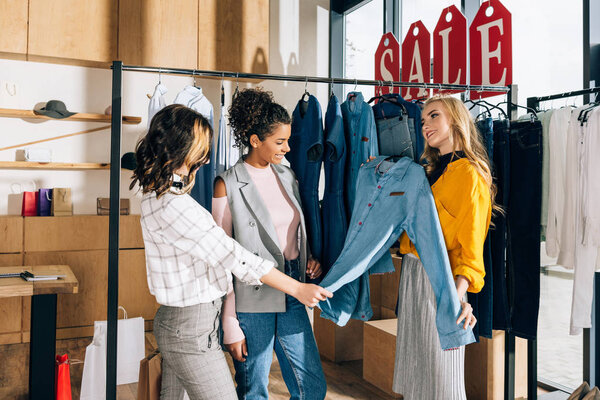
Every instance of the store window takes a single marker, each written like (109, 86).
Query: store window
(364, 28)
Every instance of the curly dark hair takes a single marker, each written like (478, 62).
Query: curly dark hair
(177, 136)
(254, 112)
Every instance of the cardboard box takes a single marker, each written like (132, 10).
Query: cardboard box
(379, 346)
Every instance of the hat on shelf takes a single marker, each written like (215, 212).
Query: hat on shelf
(128, 161)
(54, 109)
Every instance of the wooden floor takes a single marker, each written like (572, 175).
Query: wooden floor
(344, 380)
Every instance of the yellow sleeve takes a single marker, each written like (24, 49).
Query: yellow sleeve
(406, 246)
(474, 218)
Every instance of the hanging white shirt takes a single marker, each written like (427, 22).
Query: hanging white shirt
(193, 98)
(591, 176)
(557, 136)
(157, 101)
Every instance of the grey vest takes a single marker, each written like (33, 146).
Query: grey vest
(253, 229)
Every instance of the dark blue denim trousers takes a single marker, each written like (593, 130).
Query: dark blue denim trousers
(305, 157)
(335, 223)
(524, 219)
(392, 198)
(290, 335)
(501, 309)
(482, 301)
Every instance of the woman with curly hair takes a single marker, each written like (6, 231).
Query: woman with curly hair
(258, 201)
(190, 260)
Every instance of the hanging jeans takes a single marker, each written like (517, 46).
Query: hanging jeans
(501, 311)
(391, 198)
(482, 301)
(305, 157)
(523, 222)
(335, 223)
(394, 137)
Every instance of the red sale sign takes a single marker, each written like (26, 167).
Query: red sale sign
(387, 62)
(415, 60)
(491, 48)
(450, 49)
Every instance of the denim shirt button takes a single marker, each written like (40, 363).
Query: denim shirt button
(378, 186)
(362, 316)
(360, 223)
(370, 205)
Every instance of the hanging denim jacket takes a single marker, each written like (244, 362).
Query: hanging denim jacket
(361, 141)
(388, 203)
(305, 157)
(335, 223)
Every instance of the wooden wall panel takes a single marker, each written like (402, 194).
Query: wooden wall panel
(11, 234)
(13, 25)
(234, 35)
(91, 270)
(79, 232)
(73, 30)
(159, 33)
(134, 294)
(11, 309)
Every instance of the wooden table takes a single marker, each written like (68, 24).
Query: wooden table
(42, 346)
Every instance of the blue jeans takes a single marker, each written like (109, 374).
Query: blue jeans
(390, 199)
(394, 137)
(335, 223)
(482, 301)
(290, 335)
(523, 222)
(501, 312)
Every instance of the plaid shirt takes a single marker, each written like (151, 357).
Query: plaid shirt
(189, 259)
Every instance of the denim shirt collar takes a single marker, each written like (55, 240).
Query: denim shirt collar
(356, 104)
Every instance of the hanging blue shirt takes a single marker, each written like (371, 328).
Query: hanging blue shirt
(361, 140)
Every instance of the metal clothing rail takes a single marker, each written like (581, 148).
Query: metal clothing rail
(115, 172)
(591, 337)
(313, 79)
(534, 102)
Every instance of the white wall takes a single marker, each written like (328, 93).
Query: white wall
(298, 45)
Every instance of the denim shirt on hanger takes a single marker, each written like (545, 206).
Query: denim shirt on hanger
(335, 222)
(389, 202)
(361, 140)
(305, 157)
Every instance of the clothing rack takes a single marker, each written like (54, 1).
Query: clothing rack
(115, 170)
(591, 337)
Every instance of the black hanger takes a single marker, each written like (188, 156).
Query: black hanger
(237, 85)
(222, 90)
(531, 110)
(305, 91)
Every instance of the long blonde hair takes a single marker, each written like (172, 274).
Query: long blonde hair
(463, 135)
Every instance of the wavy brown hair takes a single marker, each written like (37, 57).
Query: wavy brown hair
(177, 136)
(464, 137)
(255, 112)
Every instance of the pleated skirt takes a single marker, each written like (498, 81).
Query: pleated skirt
(422, 369)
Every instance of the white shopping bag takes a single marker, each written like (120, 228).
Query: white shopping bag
(130, 351)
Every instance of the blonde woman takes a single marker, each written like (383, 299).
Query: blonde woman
(458, 171)
(190, 260)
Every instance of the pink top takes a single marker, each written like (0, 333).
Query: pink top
(284, 216)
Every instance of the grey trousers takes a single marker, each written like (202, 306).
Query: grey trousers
(188, 339)
(422, 369)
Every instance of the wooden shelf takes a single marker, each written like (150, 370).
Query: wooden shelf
(52, 165)
(11, 113)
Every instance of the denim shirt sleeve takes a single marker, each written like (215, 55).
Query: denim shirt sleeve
(371, 133)
(425, 231)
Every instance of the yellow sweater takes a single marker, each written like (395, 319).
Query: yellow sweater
(462, 199)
